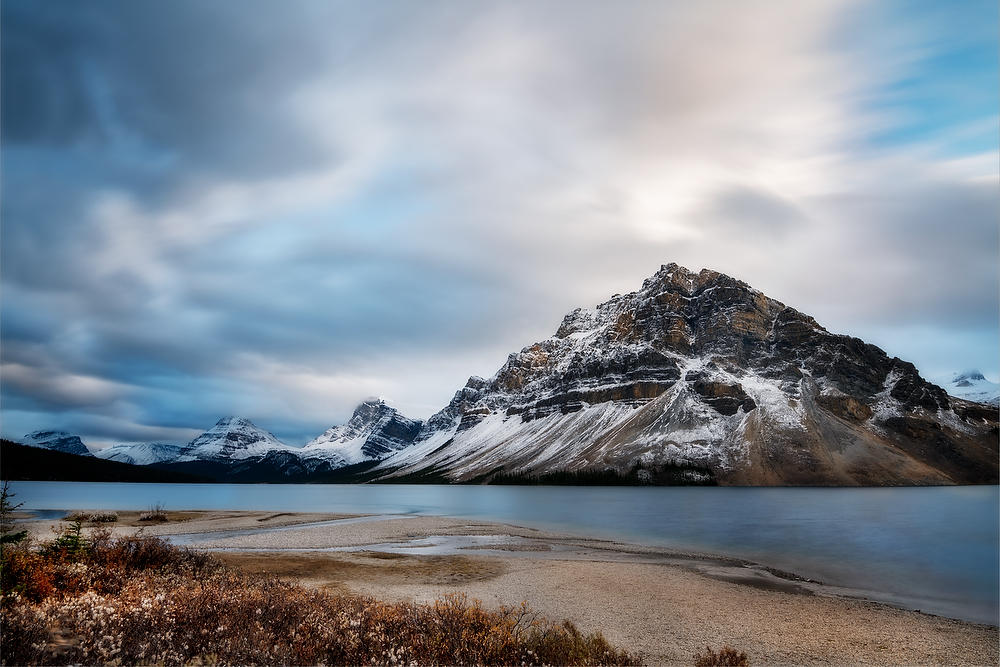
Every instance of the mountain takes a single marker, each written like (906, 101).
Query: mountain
(696, 378)
(232, 439)
(374, 431)
(972, 386)
(36, 463)
(236, 450)
(142, 453)
(59, 441)
(699, 378)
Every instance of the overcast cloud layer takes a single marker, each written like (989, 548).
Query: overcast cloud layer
(277, 209)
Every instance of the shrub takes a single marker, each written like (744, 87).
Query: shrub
(139, 600)
(93, 517)
(25, 573)
(156, 513)
(72, 564)
(70, 544)
(726, 657)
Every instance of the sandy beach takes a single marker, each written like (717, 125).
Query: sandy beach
(663, 605)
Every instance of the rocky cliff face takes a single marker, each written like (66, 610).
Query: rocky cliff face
(701, 373)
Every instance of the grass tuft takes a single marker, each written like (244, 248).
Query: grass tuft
(726, 657)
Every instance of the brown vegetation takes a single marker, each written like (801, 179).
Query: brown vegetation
(333, 571)
(156, 514)
(93, 517)
(726, 657)
(139, 600)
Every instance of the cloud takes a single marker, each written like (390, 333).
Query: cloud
(751, 213)
(56, 389)
(234, 208)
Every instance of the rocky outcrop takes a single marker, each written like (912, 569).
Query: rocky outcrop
(701, 370)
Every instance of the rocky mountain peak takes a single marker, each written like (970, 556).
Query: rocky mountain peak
(231, 437)
(698, 369)
(972, 385)
(59, 441)
(675, 278)
(371, 409)
(233, 421)
(968, 378)
(374, 430)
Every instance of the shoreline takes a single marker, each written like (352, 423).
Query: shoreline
(663, 604)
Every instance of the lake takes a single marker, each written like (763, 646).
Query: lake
(934, 549)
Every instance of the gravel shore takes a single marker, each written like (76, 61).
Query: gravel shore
(664, 605)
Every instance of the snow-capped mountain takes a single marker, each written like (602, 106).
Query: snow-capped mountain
(972, 386)
(374, 431)
(59, 441)
(141, 453)
(698, 376)
(232, 439)
(694, 378)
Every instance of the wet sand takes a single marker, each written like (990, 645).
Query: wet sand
(661, 604)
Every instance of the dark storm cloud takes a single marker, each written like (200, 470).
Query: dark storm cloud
(160, 82)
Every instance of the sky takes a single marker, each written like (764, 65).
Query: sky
(279, 209)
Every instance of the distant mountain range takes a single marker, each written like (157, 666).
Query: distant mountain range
(972, 386)
(694, 378)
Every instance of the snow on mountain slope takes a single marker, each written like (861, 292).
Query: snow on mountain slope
(699, 371)
(232, 439)
(374, 431)
(693, 378)
(59, 441)
(141, 453)
(972, 386)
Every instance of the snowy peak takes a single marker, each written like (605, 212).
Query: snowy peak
(141, 453)
(231, 438)
(967, 378)
(374, 430)
(369, 412)
(234, 423)
(972, 385)
(59, 441)
(698, 373)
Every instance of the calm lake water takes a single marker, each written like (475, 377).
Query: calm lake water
(934, 549)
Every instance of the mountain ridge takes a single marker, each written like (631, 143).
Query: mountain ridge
(701, 369)
(693, 378)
